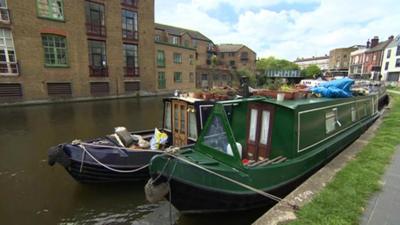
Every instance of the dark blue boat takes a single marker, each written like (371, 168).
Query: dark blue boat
(117, 159)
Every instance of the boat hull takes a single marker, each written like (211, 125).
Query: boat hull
(84, 169)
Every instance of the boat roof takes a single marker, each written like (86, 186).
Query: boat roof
(291, 104)
(186, 99)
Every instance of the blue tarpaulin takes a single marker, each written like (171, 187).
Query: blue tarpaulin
(335, 89)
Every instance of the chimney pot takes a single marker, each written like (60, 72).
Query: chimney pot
(374, 41)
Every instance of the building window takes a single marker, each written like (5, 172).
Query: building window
(95, 24)
(10, 90)
(161, 80)
(59, 89)
(132, 86)
(129, 25)
(386, 65)
(374, 57)
(397, 62)
(157, 38)
(4, 13)
(232, 63)
(398, 50)
(194, 43)
(191, 59)
(160, 58)
(191, 77)
(55, 50)
(175, 40)
(177, 58)
(177, 77)
(52, 9)
(231, 54)
(388, 53)
(129, 3)
(331, 120)
(97, 58)
(8, 59)
(244, 56)
(186, 43)
(99, 88)
(131, 60)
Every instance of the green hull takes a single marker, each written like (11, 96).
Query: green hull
(303, 136)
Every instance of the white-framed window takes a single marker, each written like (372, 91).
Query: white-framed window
(192, 124)
(265, 118)
(8, 58)
(353, 114)
(4, 14)
(330, 120)
(167, 116)
(253, 124)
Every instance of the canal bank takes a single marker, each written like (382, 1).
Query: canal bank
(338, 192)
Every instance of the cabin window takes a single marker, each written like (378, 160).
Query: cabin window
(353, 114)
(331, 120)
(176, 117)
(264, 127)
(216, 137)
(192, 124)
(167, 116)
(183, 111)
(253, 125)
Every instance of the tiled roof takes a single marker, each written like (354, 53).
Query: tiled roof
(380, 46)
(311, 59)
(229, 47)
(180, 31)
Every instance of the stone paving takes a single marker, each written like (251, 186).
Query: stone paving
(384, 207)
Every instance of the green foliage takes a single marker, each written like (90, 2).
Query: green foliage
(272, 63)
(245, 72)
(311, 71)
(273, 84)
(343, 200)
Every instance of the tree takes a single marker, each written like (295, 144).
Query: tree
(311, 71)
(245, 72)
(271, 63)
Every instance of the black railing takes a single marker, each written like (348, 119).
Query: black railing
(9, 68)
(95, 71)
(130, 35)
(131, 71)
(4, 15)
(95, 29)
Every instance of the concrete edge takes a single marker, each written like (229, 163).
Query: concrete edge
(84, 99)
(281, 213)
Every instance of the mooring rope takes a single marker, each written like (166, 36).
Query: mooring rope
(108, 167)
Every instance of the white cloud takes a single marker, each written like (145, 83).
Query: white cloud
(286, 33)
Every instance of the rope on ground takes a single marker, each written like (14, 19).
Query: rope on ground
(108, 167)
(258, 191)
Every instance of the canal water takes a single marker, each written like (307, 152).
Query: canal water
(31, 192)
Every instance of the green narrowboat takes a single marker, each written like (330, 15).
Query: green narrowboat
(263, 143)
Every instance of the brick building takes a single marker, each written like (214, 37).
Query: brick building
(321, 61)
(339, 60)
(237, 57)
(55, 49)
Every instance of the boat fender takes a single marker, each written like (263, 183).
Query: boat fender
(155, 193)
(57, 154)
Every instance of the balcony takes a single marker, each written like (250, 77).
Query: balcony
(129, 3)
(95, 30)
(4, 15)
(95, 71)
(129, 35)
(131, 71)
(9, 68)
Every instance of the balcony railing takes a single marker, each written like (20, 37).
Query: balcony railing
(130, 35)
(130, 3)
(131, 71)
(95, 71)
(9, 68)
(4, 15)
(95, 29)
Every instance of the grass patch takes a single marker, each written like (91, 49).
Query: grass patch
(343, 200)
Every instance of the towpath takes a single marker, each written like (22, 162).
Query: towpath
(384, 207)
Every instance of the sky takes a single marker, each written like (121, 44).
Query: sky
(285, 28)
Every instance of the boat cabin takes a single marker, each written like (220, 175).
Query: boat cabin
(260, 131)
(184, 118)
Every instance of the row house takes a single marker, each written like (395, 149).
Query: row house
(184, 60)
(56, 49)
(367, 62)
(321, 61)
(391, 61)
(339, 60)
